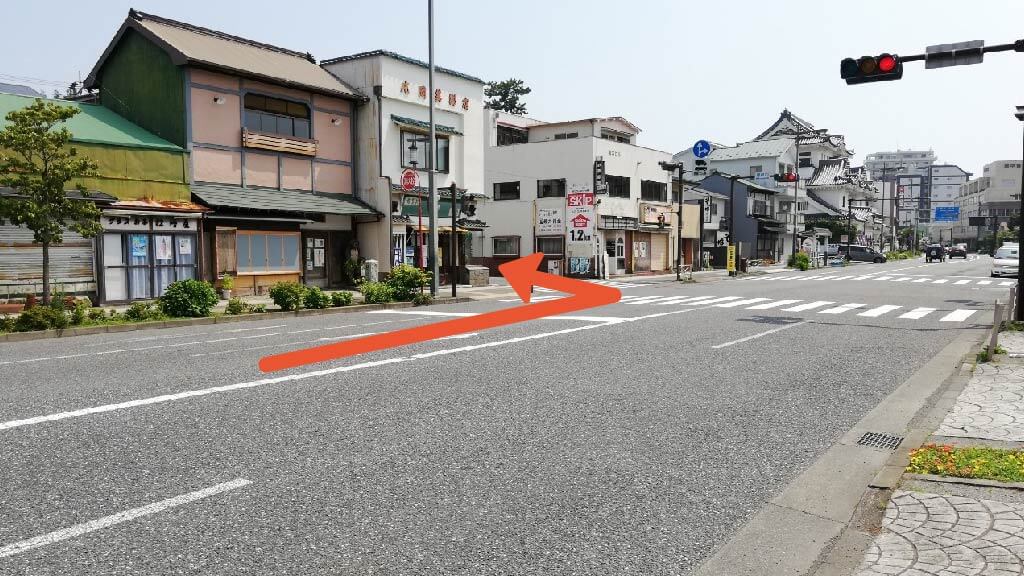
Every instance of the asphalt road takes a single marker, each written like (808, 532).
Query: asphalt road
(630, 439)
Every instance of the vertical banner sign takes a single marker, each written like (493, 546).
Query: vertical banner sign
(730, 259)
(600, 186)
(707, 210)
(579, 241)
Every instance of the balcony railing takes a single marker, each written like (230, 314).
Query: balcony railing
(278, 143)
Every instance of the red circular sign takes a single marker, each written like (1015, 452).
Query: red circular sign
(409, 179)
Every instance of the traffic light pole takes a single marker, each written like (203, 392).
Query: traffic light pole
(679, 227)
(1018, 310)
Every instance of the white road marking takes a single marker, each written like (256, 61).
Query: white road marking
(842, 308)
(740, 302)
(865, 277)
(281, 345)
(775, 304)
(589, 318)
(960, 282)
(957, 315)
(715, 300)
(260, 328)
(772, 331)
(306, 375)
(883, 278)
(648, 299)
(984, 282)
(917, 313)
(1007, 283)
(675, 300)
(119, 518)
(424, 313)
(808, 306)
(460, 336)
(940, 281)
(919, 280)
(903, 279)
(876, 312)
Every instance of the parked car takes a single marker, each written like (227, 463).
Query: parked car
(1005, 261)
(859, 253)
(935, 252)
(958, 251)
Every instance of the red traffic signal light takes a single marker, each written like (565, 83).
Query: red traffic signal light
(787, 177)
(871, 69)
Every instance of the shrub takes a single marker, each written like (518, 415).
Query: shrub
(288, 295)
(41, 318)
(57, 301)
(316, 298)
(96, 314)
(421, 299)
(236, 306)
(802, 261)
(227, 282)
(377, 292)
(140, 311)
(6, 323)
(351, 272)
(188, 298)
(258, 308)
(31, 301)
(406, 280)
(339, 299)
(78, 312)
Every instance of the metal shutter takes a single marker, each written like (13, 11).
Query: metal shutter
(21, 261)
(659, 252)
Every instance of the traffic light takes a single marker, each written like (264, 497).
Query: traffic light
(787, 177)
(871, 68)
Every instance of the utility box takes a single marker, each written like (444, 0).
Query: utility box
(371, 270)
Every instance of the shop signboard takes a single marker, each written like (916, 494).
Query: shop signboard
(730, 258)
(550, 221)
(580, 215)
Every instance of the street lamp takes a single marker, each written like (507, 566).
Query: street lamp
(1018, 312)
(670, 167)
(413, 150)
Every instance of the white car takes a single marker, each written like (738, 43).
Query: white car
(1005, 261)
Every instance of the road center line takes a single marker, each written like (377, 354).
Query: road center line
(306, 375)
(121, 517)
(752, 337)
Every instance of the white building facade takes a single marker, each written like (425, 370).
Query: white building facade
(994, 196)
(538, 175)
(387, 126)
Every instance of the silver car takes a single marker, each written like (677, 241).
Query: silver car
(1005, 261)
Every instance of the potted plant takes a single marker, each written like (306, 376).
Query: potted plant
(227, 283)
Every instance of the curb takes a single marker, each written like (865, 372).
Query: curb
(224, 319)
(967, 481)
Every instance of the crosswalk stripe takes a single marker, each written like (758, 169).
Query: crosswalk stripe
(883, 278)
(917, 313)
(919, 280)
(788, 278)
(1007, 283)
(716, 300)
(774, 304)
(865, 277)
(679, 300)
(960, 282)
(814, 277)
(957, 315)
(646, 299)
(984, 282)
(697, 300)
(842, 308)
(824, 278)
(808, 306)
(903, 279)
(940, 281)
(740, 302)
(876, 312)
(841, 277)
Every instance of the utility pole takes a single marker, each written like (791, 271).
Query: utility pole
(670, 167)
(431, 157)
(1018, 312)
(454, 244)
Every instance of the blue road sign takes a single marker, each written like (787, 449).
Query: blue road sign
(947, 214)
(702, 148)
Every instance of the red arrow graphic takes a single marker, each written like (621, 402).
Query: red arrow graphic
(521, 274)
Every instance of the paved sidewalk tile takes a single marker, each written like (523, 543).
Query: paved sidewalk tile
(927, 534)
(1013, 342)
(991, 407)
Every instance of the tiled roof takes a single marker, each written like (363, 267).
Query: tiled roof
(216, 196)
(95, 196)
(788, 118)
(828, 208)
(192, 45)
(837, 172)
(772, 148)
(20, 90)
(94, 124)
(401, 58)
(414, 123)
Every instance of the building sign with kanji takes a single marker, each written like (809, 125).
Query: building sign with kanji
(453, 100)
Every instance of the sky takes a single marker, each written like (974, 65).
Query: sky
(681, 70)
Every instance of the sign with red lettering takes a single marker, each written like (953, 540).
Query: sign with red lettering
(409, 179)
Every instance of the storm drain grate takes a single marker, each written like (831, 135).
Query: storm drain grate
(877, 440)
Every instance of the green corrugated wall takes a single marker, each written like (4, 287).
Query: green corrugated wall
(139, 82)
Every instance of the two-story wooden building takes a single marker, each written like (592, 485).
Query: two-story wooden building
(271, 143)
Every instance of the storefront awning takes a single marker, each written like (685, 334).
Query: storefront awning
(233, 197)
(425, 126)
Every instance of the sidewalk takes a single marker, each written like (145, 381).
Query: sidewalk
(949, 526)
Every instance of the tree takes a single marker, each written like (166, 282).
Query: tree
(37, 163)
(504, 95)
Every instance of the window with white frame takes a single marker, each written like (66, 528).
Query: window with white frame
(551, 245)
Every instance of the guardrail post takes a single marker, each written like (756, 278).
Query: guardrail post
(997, 321)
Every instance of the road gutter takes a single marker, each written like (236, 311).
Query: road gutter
(804, 529)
